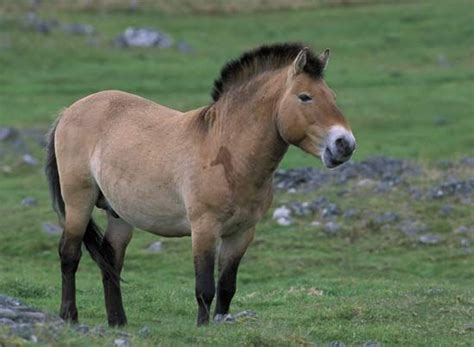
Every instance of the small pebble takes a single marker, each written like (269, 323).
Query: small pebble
(52, 229)
(155, 247)
(29, 201)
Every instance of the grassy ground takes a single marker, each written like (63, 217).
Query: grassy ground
(403, 74)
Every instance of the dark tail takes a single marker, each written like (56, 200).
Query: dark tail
(99, 248)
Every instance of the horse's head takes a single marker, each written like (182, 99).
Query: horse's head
(308, 116)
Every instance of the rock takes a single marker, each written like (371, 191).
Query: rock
(143, 37)
(245, 314)
(155, 247)
(78, 29)
(24, 331)
(350, 213)
(464, 230)
(184, 47)
(337, 344)
(386, 218)
(52, 229)
(29, 201)
(144, 331)
(8, 313)
(330, 210)
(98, 330)
(332, 228)
(6, 321)
(224, 318)
(469, 326)
(464, 243)
(82, 329)
(8, 134)
(122, 342)
(411, 227)
(281, 212)
(453, 188)
(468, 161)
(284, 221)
(440, 120)
(367, 182)
(446, 210)
(29, 160)
(443, 61)
(429, 239)
(372, 344)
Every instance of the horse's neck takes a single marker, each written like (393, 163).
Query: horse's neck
(245, 126)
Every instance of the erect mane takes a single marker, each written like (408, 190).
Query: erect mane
(263, 58)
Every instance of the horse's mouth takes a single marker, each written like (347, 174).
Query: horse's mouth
(330, 161)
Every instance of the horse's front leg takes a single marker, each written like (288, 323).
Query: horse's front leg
(231, 251)
(204, 236)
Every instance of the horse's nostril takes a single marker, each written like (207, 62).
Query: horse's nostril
(344, 146)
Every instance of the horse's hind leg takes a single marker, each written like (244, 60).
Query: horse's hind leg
(79, 203)
(118, 234)
(231, 251)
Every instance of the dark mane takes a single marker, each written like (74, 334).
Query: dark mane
(263, 58)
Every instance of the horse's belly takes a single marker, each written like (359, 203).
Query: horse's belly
(159, 211)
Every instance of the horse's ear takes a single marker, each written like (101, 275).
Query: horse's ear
(300, 61)
(324, 57)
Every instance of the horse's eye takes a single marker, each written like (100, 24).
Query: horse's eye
(304, 97)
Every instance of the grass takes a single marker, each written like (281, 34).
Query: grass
(390, 73)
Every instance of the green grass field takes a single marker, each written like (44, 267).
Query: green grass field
(403, 74)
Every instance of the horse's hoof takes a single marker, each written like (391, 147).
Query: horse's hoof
(224, 318)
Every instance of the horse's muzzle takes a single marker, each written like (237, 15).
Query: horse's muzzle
(340, 145)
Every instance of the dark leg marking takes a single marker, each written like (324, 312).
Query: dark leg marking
(226, 286)
(113, 298)
(70, 255)
(205, 286)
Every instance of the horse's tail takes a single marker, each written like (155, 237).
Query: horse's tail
(52, 175)
(99, 248)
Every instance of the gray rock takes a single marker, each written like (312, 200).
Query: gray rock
(351, 213)
(443, 61)
(429, 239)
(29, 201)
(33, 316)
(386, 218)
(452, 188)
(464, 230)
(82, 329)
(337, 344)
(330, 210)
(224, 318)
(6, 321)
(122, 342)
(78, 29)
(332, 228)
(9, 301)
(372, 344)
(284, 221)
(469, 326)
(155, 247)
(411, 227)
(446, 210)
(143, 37)
(144, 331)
(8, 313)
(464, 242)
(184, 47)
(281, 212)
(245, 314)
(24, 331)
(52, 229)
(29, 160)
(8, 134)
(440, 120)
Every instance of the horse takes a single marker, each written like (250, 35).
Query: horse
(206, 173)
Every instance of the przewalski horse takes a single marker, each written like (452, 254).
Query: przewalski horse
(206, 173)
